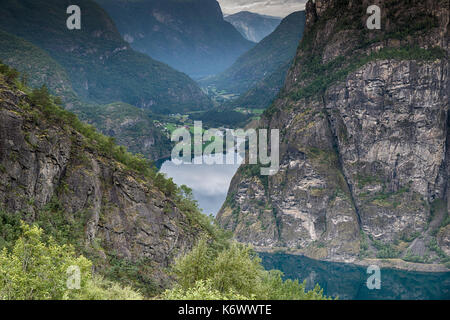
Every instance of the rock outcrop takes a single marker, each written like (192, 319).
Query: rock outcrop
(126, 213)
(364, 151)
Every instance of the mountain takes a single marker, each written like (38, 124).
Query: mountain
(84, 190)
(70, 198)
(131, 126)
(189, 35)
(364, 141)
(101, 66)
(35, 64)
(259, 73)
(253, 26)
(264, 92)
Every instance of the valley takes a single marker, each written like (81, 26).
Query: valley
(87, 119)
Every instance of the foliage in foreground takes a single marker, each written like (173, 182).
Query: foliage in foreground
(234, 272)
(38, 270)
(202, 290)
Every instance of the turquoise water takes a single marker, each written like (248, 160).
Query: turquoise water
(348, 281)
(210, 185)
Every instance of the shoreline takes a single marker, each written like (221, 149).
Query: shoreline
(396, 264)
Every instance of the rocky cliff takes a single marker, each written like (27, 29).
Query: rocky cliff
(364, 131)
(51, 163)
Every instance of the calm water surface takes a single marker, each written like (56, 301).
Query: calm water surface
(348, 281)
(209, 183)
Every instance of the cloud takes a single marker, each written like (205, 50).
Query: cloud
(280, 8)
(209, 183)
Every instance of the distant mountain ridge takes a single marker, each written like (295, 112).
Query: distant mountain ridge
(259, 73)
(191, 35)
(253, 26)
(100, 65)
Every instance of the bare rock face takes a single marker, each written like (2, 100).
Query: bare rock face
(390, 123)
(364, 157)
(126, 213)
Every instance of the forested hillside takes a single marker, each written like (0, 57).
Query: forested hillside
(189, 35)
(100, 65)
(131, 126)
(253, 26)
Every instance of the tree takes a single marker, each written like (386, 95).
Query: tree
(35, 270)
(232, 272)
(41, 96)
(201, 290)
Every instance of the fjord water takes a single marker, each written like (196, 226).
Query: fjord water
(348, 281)
(209, 183)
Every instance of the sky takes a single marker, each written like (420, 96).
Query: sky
(278, 8)
(209, 183)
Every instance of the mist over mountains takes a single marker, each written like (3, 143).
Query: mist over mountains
(278, 8)
(190, 36)
(253, 26)
(101, 66)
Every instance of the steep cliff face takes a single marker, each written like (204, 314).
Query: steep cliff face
(364, 128)
(269, 58)
(45, 161)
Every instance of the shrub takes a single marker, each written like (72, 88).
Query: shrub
(234, 271)
(34, 269)
(385, 250)
(201, 290)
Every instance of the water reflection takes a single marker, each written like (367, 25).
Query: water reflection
(349, 281)
(209, 183)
